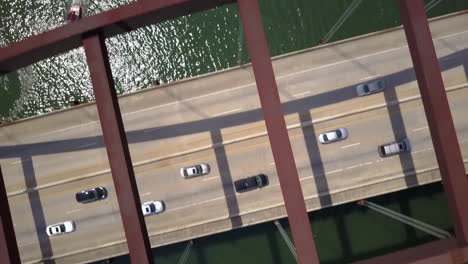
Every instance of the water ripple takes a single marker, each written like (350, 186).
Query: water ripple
(169, 51)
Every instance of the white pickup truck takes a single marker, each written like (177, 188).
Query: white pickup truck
(394, 148)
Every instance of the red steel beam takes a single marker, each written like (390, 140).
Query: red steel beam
(8, 247)
(437, 252)
(438, 113)
(117, 149)
(277, 132)
(110, 23)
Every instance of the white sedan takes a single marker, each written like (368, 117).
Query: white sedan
(332, 136)
(195, 170)
(61, 228)
(153, 207)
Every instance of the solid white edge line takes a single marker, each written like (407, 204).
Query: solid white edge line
(369, 77)
(333, 171)
(301, 94)
(354, 166)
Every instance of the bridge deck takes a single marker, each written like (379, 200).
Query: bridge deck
(216, 119)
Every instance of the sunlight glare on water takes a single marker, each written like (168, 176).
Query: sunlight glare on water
(169, 51)
(172, 50)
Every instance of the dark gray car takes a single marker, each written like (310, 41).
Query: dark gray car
(370, 88)
(250, 183)
(92, 195)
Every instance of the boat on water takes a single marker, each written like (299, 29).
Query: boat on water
(75, 13)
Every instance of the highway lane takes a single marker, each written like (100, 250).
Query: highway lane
(340, 161)
(314, 88)
(57, 161)
(174, 171)
(54, 162)
(182, 160)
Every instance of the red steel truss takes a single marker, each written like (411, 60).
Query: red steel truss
(117, 150)
(277, 132)
(439, 117)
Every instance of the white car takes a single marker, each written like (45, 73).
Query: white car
(153, 207)
(332, 136)
(394, 148)
(194, 171)
(61, 228)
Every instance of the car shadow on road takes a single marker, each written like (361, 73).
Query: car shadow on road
(36, 208)
(226, 178)
(315, 159)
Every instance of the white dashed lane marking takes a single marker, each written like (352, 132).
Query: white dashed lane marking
(419, 129)
(352, 145)
(72, 211)
(209, 179)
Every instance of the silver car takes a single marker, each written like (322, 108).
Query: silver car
(195, 170)
(153, 207)
(370, 88)
(394, 148)
(334, 135)
(61, 228)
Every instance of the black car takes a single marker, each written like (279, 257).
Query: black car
(92, 195)
(250, 183)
